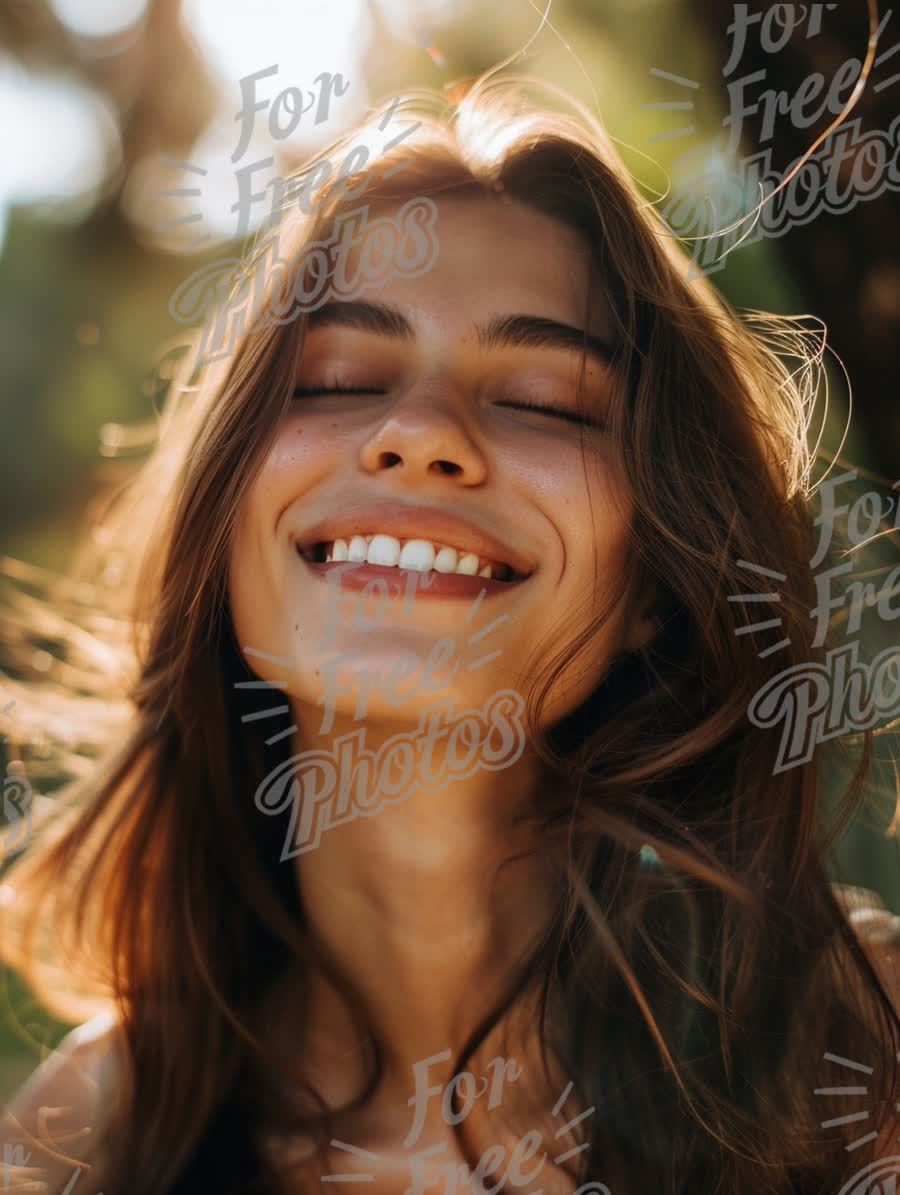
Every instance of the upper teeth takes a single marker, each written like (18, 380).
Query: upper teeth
(418, 554)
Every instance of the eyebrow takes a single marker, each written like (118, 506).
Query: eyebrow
(507, 331)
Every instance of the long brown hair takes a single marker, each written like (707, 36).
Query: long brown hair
(693, 994)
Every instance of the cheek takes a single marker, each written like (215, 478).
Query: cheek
(294, 461)
(598, 512)
(593, 512)
(300, 456)
(258, 555)
(246, 592)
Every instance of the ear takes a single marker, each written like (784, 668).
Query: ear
(641, 620)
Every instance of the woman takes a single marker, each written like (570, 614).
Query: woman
(462, 853)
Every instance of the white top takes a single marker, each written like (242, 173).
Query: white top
(64, 1105)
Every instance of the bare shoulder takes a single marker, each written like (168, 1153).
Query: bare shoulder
(55, 1123)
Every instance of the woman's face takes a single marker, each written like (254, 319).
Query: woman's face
(434, 446)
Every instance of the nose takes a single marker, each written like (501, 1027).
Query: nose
(426, 434)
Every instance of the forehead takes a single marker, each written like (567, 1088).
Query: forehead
(495, 255)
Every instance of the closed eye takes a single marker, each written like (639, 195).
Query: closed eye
(561, 412)
(299, 392)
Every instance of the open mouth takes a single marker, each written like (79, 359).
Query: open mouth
(419, 555)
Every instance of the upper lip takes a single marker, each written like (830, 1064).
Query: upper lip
(415, 522)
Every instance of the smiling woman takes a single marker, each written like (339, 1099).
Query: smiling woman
(489, 517)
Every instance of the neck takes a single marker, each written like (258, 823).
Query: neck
(427, 908)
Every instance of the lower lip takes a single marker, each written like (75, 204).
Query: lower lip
(400, 581)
